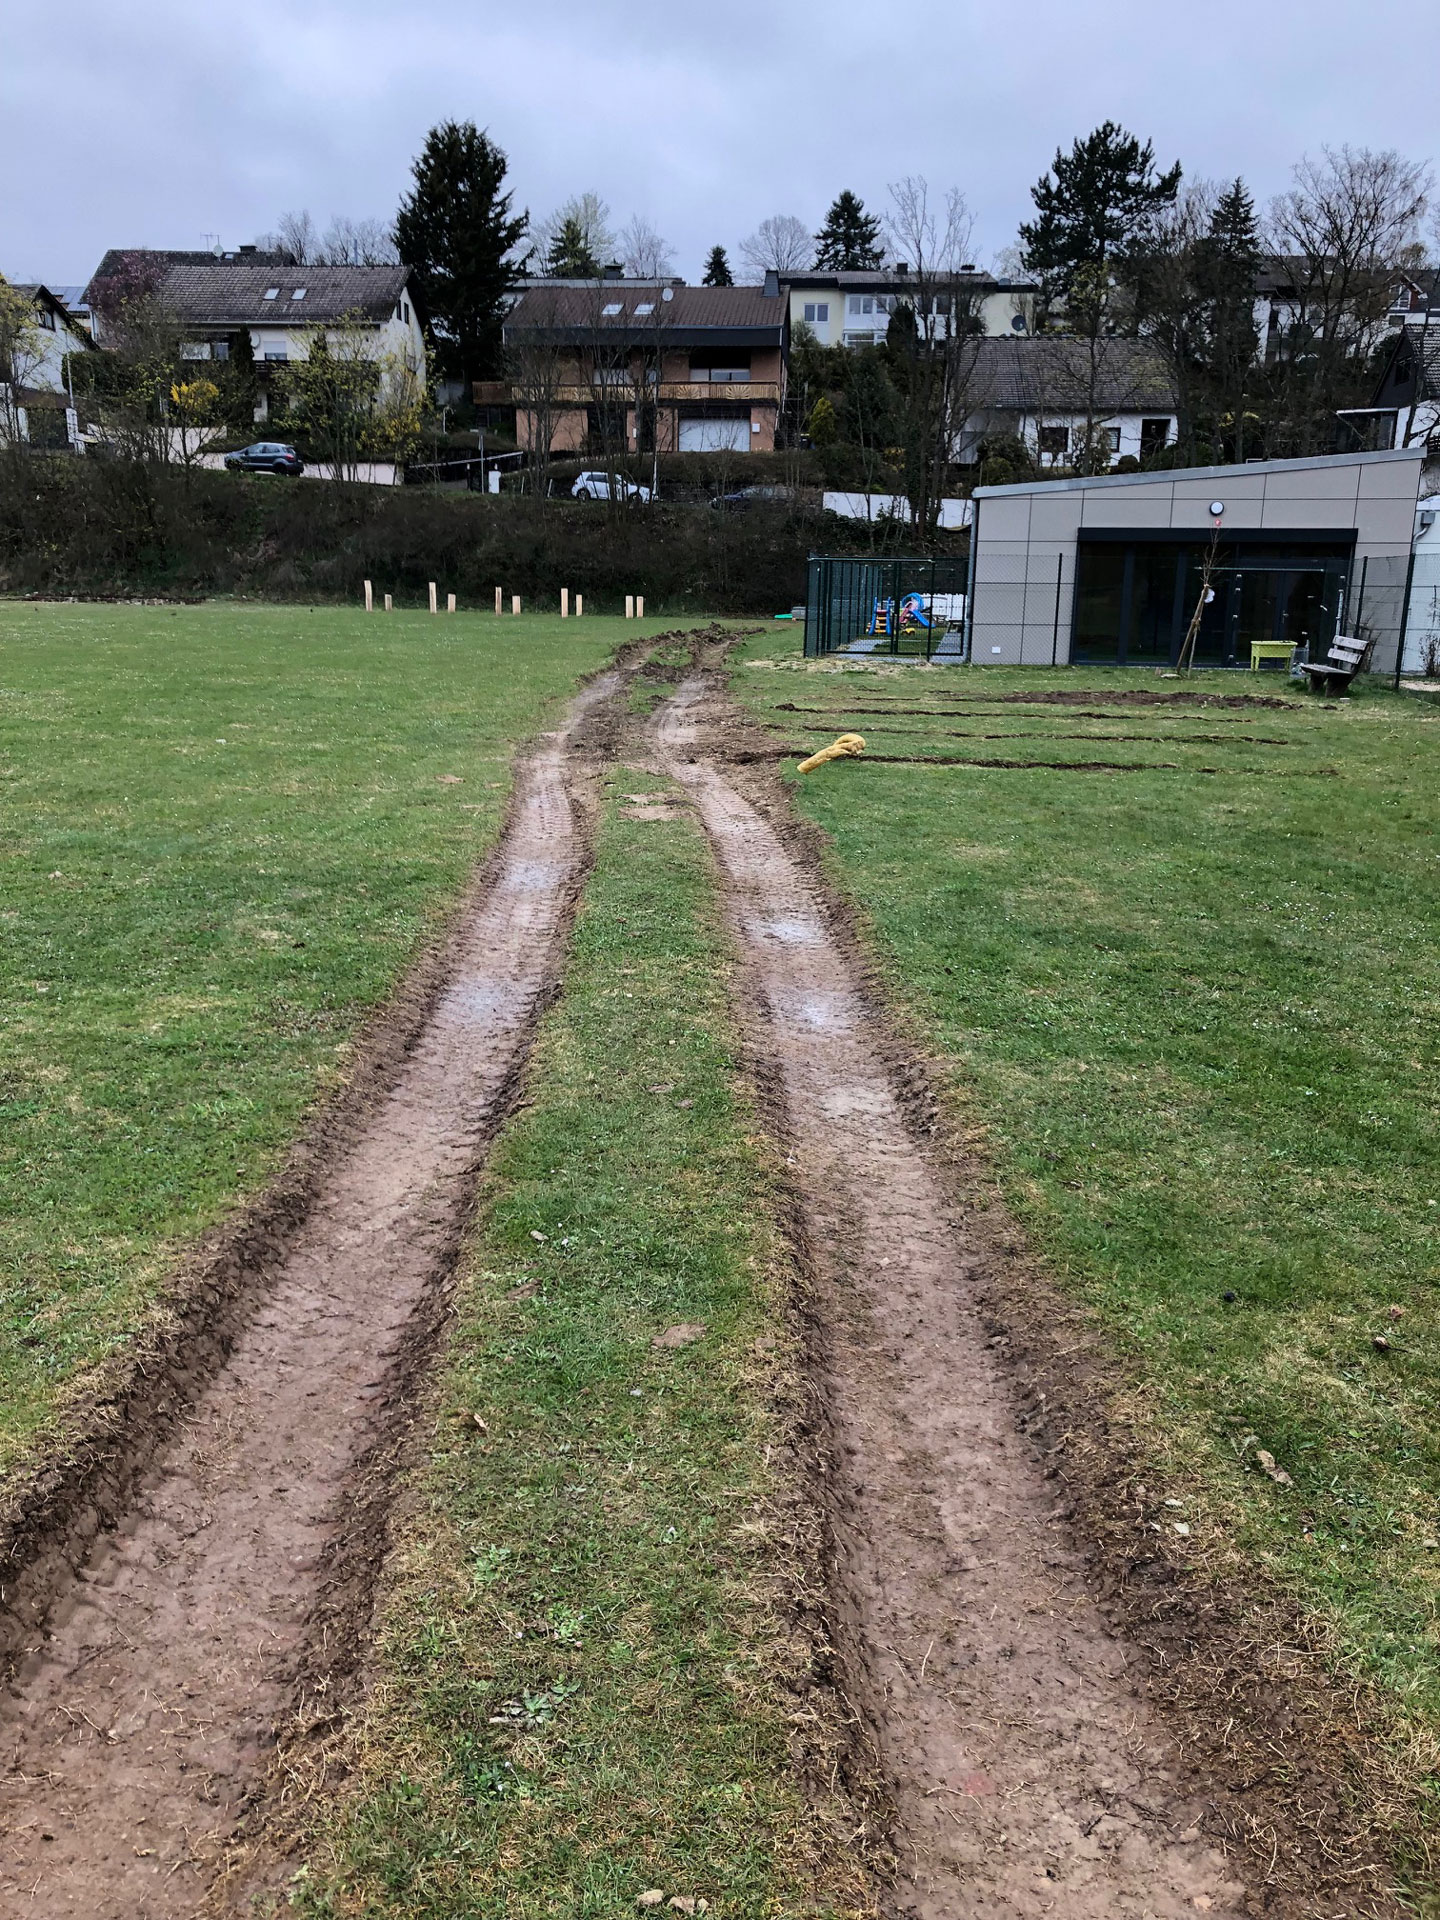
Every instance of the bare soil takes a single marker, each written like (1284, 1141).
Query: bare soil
(1018, 1671)
(154, 1675)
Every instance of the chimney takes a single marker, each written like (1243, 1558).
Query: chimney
(902, 267)
(772, 284)
(252, 248)
(614, 271)
(969, 267)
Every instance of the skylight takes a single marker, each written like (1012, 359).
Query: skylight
(272, 293)
(298, 294)
(612, 308)
(646, 306)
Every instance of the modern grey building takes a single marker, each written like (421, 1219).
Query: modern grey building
(1107, 570)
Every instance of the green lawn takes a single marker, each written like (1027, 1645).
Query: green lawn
(1194, 1010)
(224, 830)
(585, 1685)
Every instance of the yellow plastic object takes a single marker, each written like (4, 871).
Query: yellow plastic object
(844, 748)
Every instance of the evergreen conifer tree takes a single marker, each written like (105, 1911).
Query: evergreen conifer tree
(1090, 210)
(717, 270)
(1227, 260)
(456, 232)
(570, 257)
(849, 241)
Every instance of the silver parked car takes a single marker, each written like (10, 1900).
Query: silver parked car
(608, 486)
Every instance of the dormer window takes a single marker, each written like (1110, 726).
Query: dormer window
(298, 294)
(272, 293)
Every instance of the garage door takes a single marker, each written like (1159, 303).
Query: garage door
(715, 436)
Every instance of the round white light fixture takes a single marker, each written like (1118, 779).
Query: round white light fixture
(1217, 507)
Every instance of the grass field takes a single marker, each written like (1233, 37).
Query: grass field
(583, 1684)
(1193, 1009)
(223, 833)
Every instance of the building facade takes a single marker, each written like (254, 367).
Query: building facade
(211, 299)
(855, 309)
(637, 366)
(1111, 570)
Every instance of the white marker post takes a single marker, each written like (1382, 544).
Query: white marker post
(579, 605)
(629, 606)
(389, 603)
(499, 602)
(514, 603)
(564, 603)
(369, 598)
(449, 603)
(639, 606)
(433, 607)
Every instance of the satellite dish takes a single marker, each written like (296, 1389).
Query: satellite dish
(667, 293)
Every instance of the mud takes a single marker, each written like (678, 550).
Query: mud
(225, 1606)
(1031, 1770)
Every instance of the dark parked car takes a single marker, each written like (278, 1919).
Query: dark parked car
(266, 456)
(746, 497)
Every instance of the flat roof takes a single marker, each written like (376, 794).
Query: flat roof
(1164, 474)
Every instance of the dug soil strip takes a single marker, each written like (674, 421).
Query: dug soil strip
(1030, 1773)
(141, 1721)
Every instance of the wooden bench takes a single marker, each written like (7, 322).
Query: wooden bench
(1334, 673)
(1269, 650)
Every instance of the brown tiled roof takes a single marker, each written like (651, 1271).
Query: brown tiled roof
(210, 290)
(572, 312)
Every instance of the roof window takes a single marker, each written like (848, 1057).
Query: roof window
(612, 307)
(298, 294)
(646, 306)
(272, 293)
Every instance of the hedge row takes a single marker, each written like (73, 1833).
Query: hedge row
(99, 528)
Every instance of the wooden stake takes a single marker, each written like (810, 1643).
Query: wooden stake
(579, 605)
(499, 601)
(433, 607)
(639, 606)
(449, 603)
(564, 603)
(629, 606)
(389, 603)
(369, 598)
(514, 603)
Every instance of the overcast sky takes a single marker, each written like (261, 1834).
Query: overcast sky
(160, 122)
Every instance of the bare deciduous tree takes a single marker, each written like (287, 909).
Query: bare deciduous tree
(644, 252)
(781, 244)
(357, 243)
(1345, 231)
(936, 333)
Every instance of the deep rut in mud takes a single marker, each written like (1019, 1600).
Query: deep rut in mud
(1030, 1776)
(140, 1724)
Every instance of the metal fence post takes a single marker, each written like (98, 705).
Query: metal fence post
(1404, 619)
(1055, 635)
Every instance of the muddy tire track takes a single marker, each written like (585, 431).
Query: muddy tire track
(226, 1604)
(1030, 1774)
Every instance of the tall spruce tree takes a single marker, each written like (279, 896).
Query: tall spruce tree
(456, 232)
(1091, 209)
(717, 270)
(1227, 260)
(570, 256)
(849, 241)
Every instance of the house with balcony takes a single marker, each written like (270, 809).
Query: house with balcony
(854, 309)
(614, 366)
(212, 299)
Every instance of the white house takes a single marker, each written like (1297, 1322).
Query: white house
(215, 298)
(33, 391)
(854, 309)
(1052, 391)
